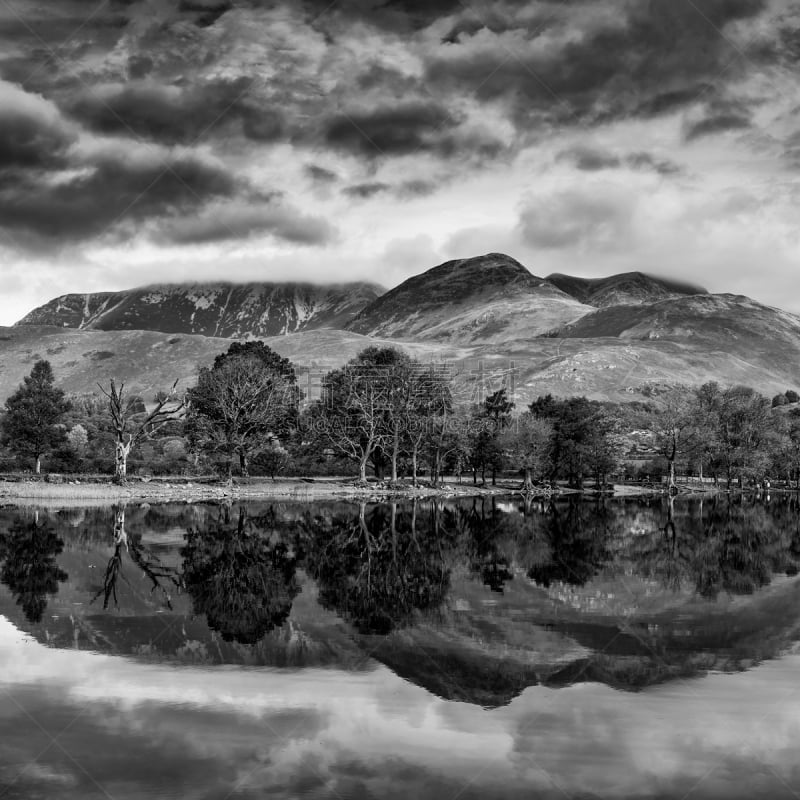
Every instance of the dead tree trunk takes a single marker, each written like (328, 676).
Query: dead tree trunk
(168, 408)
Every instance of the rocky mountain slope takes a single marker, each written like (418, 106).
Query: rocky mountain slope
(487, 316)
(489, 298)
(629, 288)
(211, 309)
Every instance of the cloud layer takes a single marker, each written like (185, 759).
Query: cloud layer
(240, 136)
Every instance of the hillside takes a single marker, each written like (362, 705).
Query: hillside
(211, 309)
(148, 361)
(732, 325)
(485, 316)
(629, 288)
(490, 298)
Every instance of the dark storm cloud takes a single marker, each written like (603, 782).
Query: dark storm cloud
(30, 142)
(390, 130)
(320, 174)
(400, 15)
(207, 11)
(655, 57)
(176, 115)
(588, 159)
(236, 222)
(406, 190)
(719, 123)
(407, 129)
(647, 161)
(366, 190)
(111, 194)
(416, 188)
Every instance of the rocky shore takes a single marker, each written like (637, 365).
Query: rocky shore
(77, 491)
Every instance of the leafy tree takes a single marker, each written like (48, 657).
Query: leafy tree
(674, 423)
(580, 442)
(31, 425)
(241, 405)
(744, 432)
(526, 444)
(497, 408)
(78, 440)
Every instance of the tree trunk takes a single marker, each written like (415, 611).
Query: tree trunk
(527, 484)
(395, 453)
(38, 465)
(494, 476)
(672, 477)
(414, 466)
(243, 465)
(362, 469)
(121, 452)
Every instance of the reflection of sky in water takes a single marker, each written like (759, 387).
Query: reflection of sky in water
(128, 730)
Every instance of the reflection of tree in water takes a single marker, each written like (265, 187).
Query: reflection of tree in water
(376, 569)
(28, 554)
(576, 535)
(732, 545)
(480, 529)
(161, 577)
(239, 576)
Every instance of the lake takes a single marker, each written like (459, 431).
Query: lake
(617, 648)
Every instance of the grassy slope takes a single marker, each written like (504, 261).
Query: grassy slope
(613, 353)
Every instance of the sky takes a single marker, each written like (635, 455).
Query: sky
(146, 141)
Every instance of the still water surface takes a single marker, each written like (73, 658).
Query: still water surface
(474, 649)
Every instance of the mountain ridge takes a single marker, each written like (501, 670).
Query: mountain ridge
(215, 308)
(624, 288)
(480, 314)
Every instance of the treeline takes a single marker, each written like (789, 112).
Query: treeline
(385, 414)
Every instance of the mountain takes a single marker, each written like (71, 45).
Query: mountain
(730, 324)
(211, 309)
(486, 316)
(489, 298)
(629, 288)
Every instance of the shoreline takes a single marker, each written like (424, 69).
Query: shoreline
(91, 493)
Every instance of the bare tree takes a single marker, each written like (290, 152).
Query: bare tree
(351, 418)
(128, 430)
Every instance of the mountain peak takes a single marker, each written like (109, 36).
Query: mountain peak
(626, 288)
(466, 299)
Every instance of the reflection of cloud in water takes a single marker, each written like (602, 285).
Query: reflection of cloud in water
(327, 731)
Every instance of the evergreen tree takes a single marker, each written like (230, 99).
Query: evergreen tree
(30, 427)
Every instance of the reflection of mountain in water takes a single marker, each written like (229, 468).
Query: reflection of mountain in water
(473, 600)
